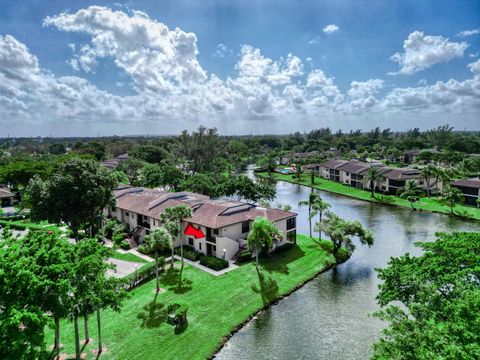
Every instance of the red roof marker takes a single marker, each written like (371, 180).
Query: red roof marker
(192, 231)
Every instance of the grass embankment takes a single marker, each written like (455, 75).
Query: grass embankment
(128, 257)
(217, 306)
(427, 204)
(26, 224)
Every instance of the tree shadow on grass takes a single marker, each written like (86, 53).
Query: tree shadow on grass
(175, 282)
(268, 288)
(278, 261)
(153, 315)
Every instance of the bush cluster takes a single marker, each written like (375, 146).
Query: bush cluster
(188, 253)
(213, 262)
(244, 256)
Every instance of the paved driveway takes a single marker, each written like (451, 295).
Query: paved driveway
(123, 268)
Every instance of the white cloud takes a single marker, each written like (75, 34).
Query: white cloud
(365, 88)
(172, 90)
(330, 29)
(469, 32)
(222, 51)
(157, 58)
(423, 51)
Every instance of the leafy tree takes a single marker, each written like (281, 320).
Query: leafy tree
(312, 197)
(411, 192)
(432, 301)
(451, 196)
(341, 232)
(262, 235)
(132, 168)
(440, 136)
(76, 195)
(57, 149)
(268, 162)
(242, 187)
(157, 241)
(298, 171)
(373, 177)
(35, 282)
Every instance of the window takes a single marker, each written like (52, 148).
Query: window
(245, 227)
(292, 236)
(215, 231)
(199, 246)
(348, 174)
(190, 241)
(291, 223)
(127, 214)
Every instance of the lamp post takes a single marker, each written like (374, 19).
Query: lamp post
(136, 274)
(224, 251)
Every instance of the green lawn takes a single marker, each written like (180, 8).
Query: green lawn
(128, 257)
(217, 305)
(29, 225)
(427, 204)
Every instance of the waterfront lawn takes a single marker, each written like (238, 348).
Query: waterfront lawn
(428, 204)
(128, 257)
(217, 305)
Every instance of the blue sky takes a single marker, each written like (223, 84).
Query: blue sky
(228, 85)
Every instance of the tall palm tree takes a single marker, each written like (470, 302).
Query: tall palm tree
(373, 177)
(411, 192)
(263, 234)
(427, 172)
(158, 240)
(311, 200)
(451, 196)
(172, 219)
(319, 206)
(298, 171)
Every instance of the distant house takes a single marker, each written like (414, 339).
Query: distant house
(470, 189)
(217, 227)
(112, 164)
(410, 156)
(6, 197)
(353, 172)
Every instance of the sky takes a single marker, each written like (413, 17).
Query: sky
(83, 68)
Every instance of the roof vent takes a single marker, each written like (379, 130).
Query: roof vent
(164, 198)
(236, 208)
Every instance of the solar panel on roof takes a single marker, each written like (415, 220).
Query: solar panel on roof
(130, 191)
(164, 198)
(237, 208)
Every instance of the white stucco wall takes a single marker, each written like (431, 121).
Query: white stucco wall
(230, 246)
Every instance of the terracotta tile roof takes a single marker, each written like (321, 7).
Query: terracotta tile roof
(334, 163)
(5, 193)
(206, 212)
(472, 183)
(356, 167)
(402, 174)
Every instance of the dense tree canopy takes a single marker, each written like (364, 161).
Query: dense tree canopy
(440, 296)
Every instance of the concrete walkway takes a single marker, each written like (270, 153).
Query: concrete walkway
(197, 264)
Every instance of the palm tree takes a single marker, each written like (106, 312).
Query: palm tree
(427, 172)
(319, 206)
(373, 177)
(411, 192)
(157, 241)
(451, 196)
(311, 199)
(263, 234)
(298, 171)
(172, 219)
(467, 166)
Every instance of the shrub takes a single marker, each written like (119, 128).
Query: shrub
(125, 245)
(285, 247)
(244, 256)
(177, 316)
(118, 238)
(188, 253)
(213, 262)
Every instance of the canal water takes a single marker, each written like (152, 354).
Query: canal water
(329, 318)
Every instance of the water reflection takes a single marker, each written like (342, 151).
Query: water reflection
(328, 317)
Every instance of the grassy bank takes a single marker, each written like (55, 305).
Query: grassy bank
(217, 306)
(128, 257)
(426, 204)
